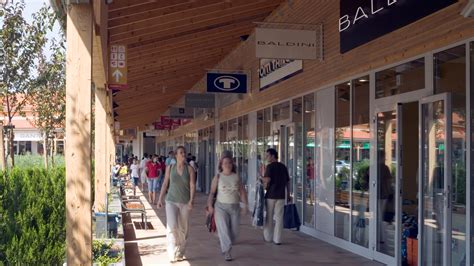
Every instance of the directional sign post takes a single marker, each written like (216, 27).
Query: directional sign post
(118, 67)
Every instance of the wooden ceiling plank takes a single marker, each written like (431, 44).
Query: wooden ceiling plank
(229, 31)
(170, 13)
(140, 69)
(186, 18)
(161, 54)
(144, 7)
(181, 29)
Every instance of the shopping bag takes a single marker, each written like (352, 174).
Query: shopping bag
(211, 223)
(291, 218)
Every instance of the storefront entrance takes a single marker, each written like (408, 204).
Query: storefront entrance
(410, 134)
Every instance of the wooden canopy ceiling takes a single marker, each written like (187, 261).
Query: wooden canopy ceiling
(171, 44)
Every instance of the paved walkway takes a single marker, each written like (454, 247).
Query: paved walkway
(149, 247)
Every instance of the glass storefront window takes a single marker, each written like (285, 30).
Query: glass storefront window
(309, 119)
(342, 162)
(245, 150)
(400, 79)
(450, 76)
(360, 161)
(223, 137)
(281, 111)
(260, 143)
(471, 139)
(296, 168)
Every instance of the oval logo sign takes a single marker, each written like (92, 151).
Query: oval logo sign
(227, 83)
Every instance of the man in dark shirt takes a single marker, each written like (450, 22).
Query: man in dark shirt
(277, 182)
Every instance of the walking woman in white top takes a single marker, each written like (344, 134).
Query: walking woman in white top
(230, 192)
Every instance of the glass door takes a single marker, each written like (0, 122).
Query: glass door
(435, 173)
(387, 123)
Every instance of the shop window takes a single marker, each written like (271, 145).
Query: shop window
(295, 166)
(309, 119)
(360, 160)
(223, 137)
(342, 162)
(400, 79)
(281, 111)
(471, 100)
(450, 76)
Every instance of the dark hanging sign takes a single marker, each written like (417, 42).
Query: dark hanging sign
(362, 21)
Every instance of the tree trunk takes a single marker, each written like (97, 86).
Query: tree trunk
(52, 152)
(2, 150)
(12, 146)
(45, 151)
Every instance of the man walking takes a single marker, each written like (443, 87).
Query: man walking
(277, 181)
(171, 159)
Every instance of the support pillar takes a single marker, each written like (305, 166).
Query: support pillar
(101, 163)
(78, 131)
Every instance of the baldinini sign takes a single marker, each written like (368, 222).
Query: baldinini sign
(286, 44)
(362, 21)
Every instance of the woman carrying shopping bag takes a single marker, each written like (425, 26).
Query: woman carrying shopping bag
(179, 187)
(230, 192)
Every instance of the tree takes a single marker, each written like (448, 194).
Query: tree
(48, 97)
(23, 43)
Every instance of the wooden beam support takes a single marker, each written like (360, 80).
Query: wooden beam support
(78, 132)
(100, 146)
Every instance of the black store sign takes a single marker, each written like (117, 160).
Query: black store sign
(362, 21)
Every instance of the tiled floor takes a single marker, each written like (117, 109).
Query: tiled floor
(149, 247)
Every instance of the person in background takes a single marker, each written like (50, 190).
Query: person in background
(179, 188)
(189, 157)
(135, 175)
(143, 175)
(192, 162)
(153, 173)
(310, 178)
(277, 181)
(227, 206)
(123, 173)
(171, 159)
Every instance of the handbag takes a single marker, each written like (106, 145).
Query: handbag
(291, 219)
(210, 220)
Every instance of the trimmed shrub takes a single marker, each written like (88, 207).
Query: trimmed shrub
(32, 216)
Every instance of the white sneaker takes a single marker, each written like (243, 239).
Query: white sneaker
(227, 256)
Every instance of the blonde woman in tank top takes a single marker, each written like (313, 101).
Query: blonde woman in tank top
(230, 192)
(179, 188)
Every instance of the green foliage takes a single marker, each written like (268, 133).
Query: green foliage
(361, 175)
(29, 161)
(23, 43)
(33, 222)
(104, 253)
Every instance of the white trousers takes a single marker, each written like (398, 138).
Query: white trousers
(227, 223)
(177, 224)
(274, 208)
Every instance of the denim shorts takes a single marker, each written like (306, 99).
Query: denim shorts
(136, 180)
(153, 184)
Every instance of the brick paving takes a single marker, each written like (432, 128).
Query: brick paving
(149, 247)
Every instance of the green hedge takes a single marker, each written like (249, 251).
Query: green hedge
(32, 216)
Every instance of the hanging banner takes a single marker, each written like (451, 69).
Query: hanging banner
(272, 71)
(286, 43)
(117, 67)
(226, 82)
(198, 100)
(362, 21)
(178, 112)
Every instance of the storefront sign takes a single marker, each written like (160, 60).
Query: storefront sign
(285, 43)
(197, 100)
(118, 67)
(177, 112)
(27, 136)
(226, 82)
(362, 21)
(272, 71)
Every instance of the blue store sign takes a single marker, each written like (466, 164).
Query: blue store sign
(226, 82)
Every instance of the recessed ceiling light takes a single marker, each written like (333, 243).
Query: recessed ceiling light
(363, 80)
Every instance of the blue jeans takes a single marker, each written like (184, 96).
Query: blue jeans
(153, 184)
